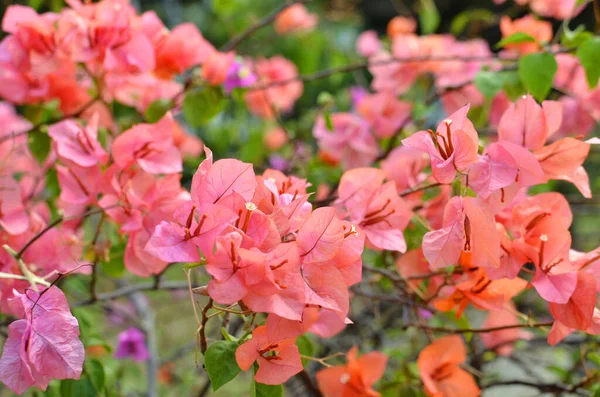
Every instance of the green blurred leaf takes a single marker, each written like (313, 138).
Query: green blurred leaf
(515, 38)
(200, 106)
(157, 109)
(77, 388)
(95, 372)
(488, 83)
(429, 17)
(537, 72)
(39, 144)
(306, 347)
(261, 390)
(253, 150)
(462, 20)
(115, 265)
(220, 363)
(574, 38)
(328, 121)
(589, 55)
(35, 4)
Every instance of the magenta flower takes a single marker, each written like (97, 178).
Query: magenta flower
(239, 75)
(132, 344)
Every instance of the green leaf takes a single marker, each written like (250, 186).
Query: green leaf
(589, 55)
(39, 144)
(220, 363)
(429, 17)
(157, 109)
(261, 390)
(306, 347)
(488, 83)
(115, 265)
(95, 372)
(537, 72)
(574, 38)
(77, 388)
(200, 106)
(462, 20)
(515, 38)
(328, 121)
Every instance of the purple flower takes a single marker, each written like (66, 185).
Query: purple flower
(239, 75)
(278, 163)
(357, 94)
(132, 344)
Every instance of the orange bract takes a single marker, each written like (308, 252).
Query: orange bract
(356, 378)
(439, 367)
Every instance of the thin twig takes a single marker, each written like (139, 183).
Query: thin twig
(476, 330)
(234, 42)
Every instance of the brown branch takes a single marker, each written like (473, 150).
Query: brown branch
(205, 317)
(476, 330)
(234, 42)
(419, 189)
(55, 223)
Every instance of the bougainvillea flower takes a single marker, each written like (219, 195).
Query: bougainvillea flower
(140, 261)
(528, 124)
(216, 66)
(238, 75)
(563, 160)
(412, 264)
(13, 217)
(194, 229)
(213, 182)
(480, 291)
(368, 43)
(375, 207)
(278, 360)
(150, 146)
(78, 144)
(281, 96)
(132, 344)
(469, 227)
(44, 344)
(452, 147)
(400, 25)
(349, 143)
(295, 18)
(502, 341)
(541, 31)
(385, 113)
(560, 331)
(578, 311)
(439, 366)
(354, 379)
(180, 49)
(557, 9)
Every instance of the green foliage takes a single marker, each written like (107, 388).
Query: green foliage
(589, 55)
(537, 72)
(201, 105)
(429, 16)
(114, 264)
(515, 38)
(306, 348)
(462, 20)
(261, 390)
(39, 144)
(220, 363)
(82, 387)
(488, 83)
(157, 110)
(95, 372)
